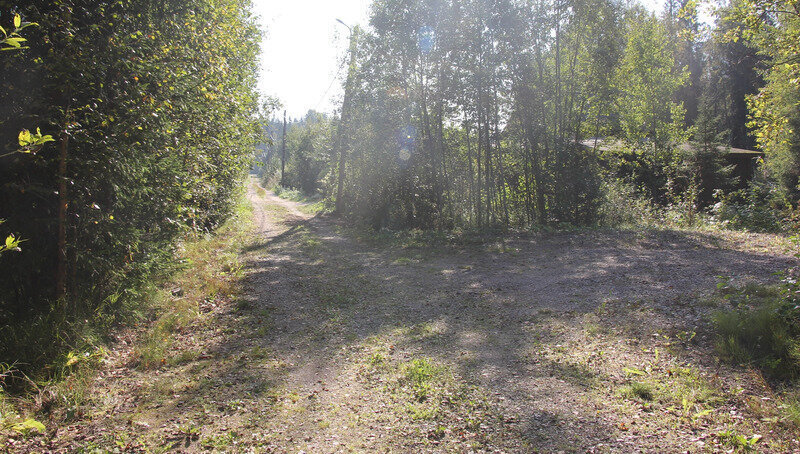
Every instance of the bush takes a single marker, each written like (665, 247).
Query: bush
(623, 206)
(146, 151)
(761, 207)
(763, 331)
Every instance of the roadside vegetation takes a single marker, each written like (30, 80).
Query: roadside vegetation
(206, 275)
(132, 153)
(601, 114)
(530, 226)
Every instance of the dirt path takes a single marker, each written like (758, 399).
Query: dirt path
(353, 342)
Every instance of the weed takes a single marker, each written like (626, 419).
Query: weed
(789, 407)
(421, 412)
(402, 261)
(183, 357)
(377, 359)
(419, 373)
(686, 337)
(638, 390)
(764, 330)
(220, 442)
(592, 329)
(258, 353)
(738, 442)
(690, 388)
(28, 427)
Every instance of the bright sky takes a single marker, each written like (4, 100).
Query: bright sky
(304, 47)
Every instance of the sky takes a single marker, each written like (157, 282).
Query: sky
(304, 47)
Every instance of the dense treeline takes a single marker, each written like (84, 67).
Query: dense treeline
(485, 113)
(152, 108)
(306, 153)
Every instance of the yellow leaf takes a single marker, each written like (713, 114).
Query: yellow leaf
(17, 21)
(24, 138)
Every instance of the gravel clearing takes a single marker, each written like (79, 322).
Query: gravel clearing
(343, 341)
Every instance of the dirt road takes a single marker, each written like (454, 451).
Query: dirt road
(346, 341)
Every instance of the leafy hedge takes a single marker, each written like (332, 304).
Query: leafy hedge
(152, 105)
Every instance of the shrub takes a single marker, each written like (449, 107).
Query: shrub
(761, 207)
(623, 206)
(146, 151)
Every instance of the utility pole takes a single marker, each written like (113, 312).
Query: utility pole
(283, 149)
(343, 118)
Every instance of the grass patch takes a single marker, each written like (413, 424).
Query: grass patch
(637, 390)
(419, 375)
(763, 329)
(684, 390)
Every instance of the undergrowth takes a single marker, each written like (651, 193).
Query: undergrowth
(762, 329)
(210, 272)
(205, 272)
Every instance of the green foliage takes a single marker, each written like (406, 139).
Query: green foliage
(11, 244)
(155, 106)
(773, 26)
(308, 153)
(30, 143)
(763, 331)
(648, 78)
(419, 374)
(638, 390)
(11, 39)
(738, 442)
(759, 207)
(624, 206)
(28, 426)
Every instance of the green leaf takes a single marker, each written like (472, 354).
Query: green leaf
(29, 425)
(633, 371)
(10, 241)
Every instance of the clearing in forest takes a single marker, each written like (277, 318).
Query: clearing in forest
(345, 341)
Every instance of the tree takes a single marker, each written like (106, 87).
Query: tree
(773, 26)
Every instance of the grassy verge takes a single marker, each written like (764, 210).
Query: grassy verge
(428, 398)
(309, 204)
(208, 270)
(209, 277)
(760, 330)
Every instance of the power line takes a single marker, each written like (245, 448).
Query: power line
(338, 72)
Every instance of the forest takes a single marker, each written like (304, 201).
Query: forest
(527, 226)
(522, 115)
